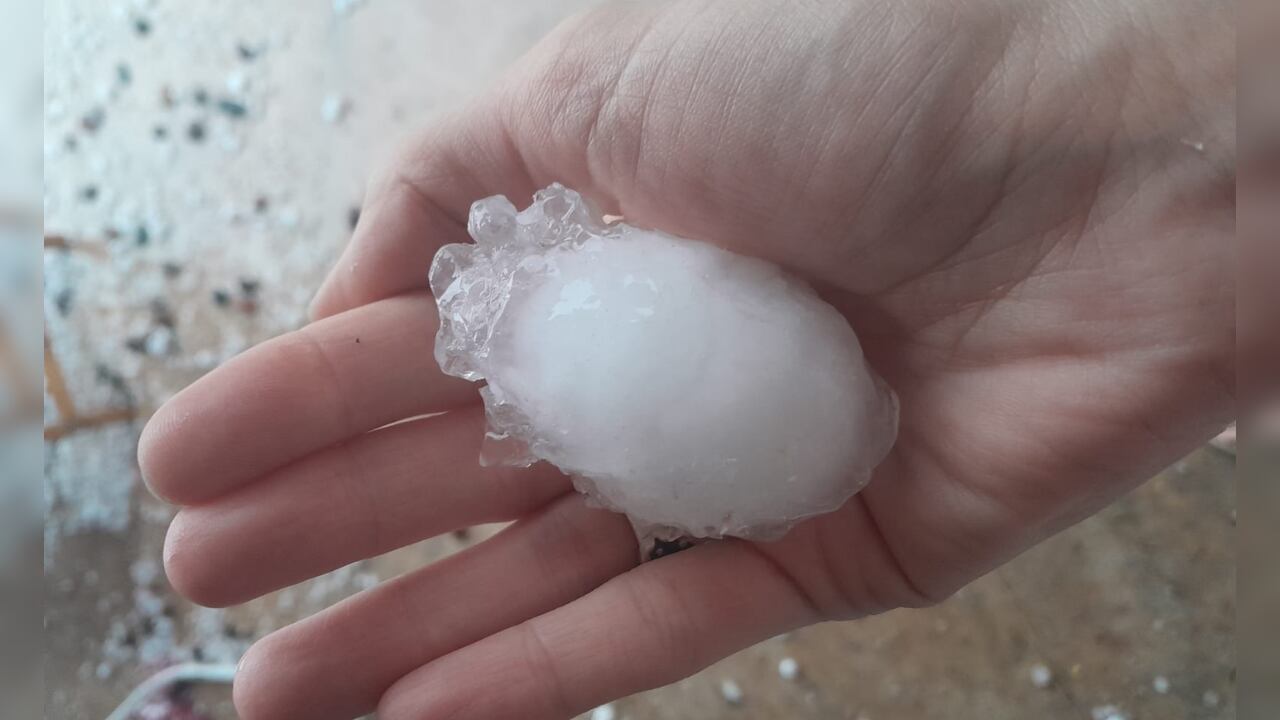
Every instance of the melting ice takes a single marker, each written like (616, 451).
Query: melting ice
(700, 392)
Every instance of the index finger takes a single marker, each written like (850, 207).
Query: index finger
(296, 394)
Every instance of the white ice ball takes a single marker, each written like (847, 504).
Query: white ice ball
(700, 392)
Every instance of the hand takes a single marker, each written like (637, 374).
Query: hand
(1024, 210)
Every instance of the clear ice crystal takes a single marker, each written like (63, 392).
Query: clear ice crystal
(701, 393)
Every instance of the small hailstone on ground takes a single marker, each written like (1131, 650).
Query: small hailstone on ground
(789, 669)
(143, 572)
(237, 82)
(160, 342)
(1108, 712)
(334, 108)
(700, 392)
(1041, 675)
(1210, 699)
(731, 692)
(604, 712)
(344, 7)
(1160, 684)
(288, 217)
(230, 143)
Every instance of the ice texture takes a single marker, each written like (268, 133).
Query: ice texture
(700, 392)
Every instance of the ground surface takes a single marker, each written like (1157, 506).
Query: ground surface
(202, 164)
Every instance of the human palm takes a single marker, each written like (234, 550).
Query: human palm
(1029, 232)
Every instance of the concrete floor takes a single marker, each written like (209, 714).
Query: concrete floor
(1144, 589)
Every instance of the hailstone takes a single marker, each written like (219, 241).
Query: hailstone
(702, 393)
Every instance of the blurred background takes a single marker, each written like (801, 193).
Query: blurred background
(1258, 319)
(203, 166)
(20, 447)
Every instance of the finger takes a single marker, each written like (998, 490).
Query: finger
(338, 663)
(296, 394)
(357, 500)
(649, 627)
(532, 129)
(420, 202)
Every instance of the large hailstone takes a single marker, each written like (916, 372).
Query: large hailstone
(700, 392)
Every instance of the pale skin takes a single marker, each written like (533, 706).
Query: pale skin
(1025, 210)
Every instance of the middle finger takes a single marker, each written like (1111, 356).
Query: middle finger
(304, 391)
(381, 491)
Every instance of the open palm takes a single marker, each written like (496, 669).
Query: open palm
(1025, 213)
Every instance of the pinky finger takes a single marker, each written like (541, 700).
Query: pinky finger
(649, 627)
